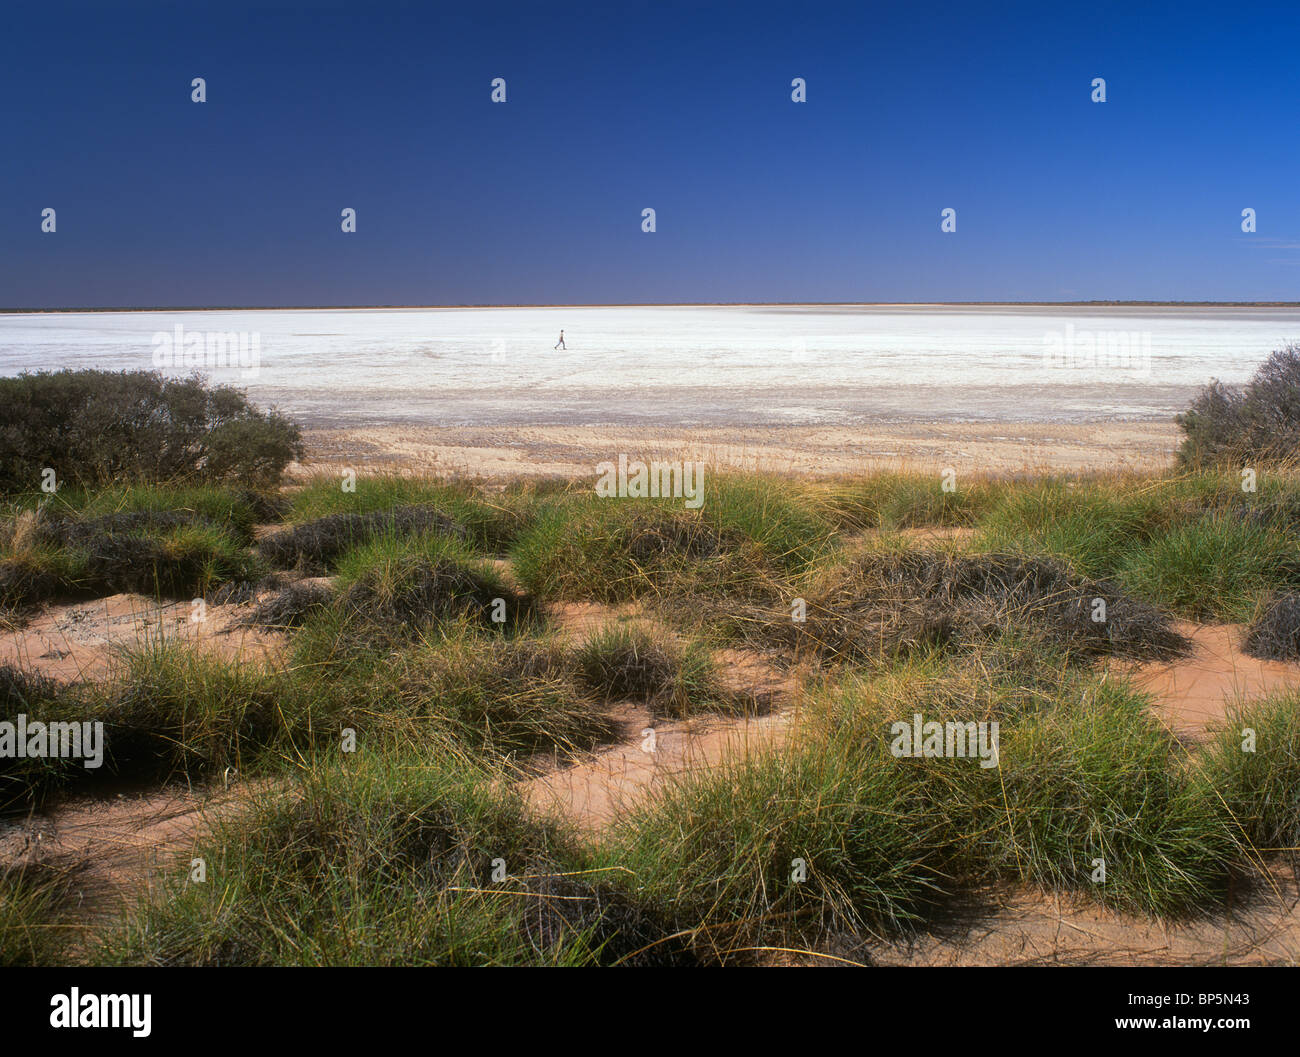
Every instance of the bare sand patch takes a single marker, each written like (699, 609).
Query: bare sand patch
(1192, 693)
(1018, 926)
(650, 750)
(978, 448)
(112, 848)
(85, 640)
(650, 753)
(579, 620)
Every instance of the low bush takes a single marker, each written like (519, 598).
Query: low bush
(1274, 634)
(97, 427)
(894, 603)
(316, 546)
(393, 861)
(1257, 423)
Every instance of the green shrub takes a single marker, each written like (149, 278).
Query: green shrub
(613, 549)
(1089, 523)
(393, 589)
(488, 520)
(632, 662)
(316, 546)
(391, 861)
(1259, 773)
(500, 697)
(1217, 567)
(97, 427)
(28, 779)
(165, 553)
(719, 848)
(909, 500)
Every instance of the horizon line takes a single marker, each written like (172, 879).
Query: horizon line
(19, 310)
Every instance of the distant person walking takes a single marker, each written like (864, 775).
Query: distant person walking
(560, 344)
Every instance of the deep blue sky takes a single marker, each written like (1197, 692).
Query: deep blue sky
(615, 106)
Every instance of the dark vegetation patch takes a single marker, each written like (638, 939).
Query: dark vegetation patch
(180, 715)
(491, 518)
(164, 553)
(241, 592)
(21, 689)
(98, 427)
(290, 606)
(1227, 425)
(656, 535)
(89, 533)
(393, 863)
(267, 507)
(175, 714)
(891, 604)
(41, 700)
(182, 564)
(618, 927)
(505, 697)
(625, 662)
(24, 582)
(1275, 508)
(37, 917)
(316, 545)
(1274, 635)
(610, 552)
(395, 601)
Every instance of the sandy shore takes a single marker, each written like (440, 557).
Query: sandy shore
(982, 448)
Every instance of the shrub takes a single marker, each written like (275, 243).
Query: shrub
(390, 862)
(1262, 786)
(623, 662)
(392, 590)
(717, 848)
(886, 839)
(172, 553)
(500, 696)
(487, 519)
(289, 607)
(894, 603)
(908, 500)
(94, 427)
(1259, 422)
(617, 549)
(317, 545)
(41, 700)
(1089, 523)
(1274, 635)
(33, 900)
(1212, 568)
(178, 713)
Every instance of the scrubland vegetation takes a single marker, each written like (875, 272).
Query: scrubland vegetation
(434, 642)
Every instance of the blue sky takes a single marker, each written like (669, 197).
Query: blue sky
(614, 107)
